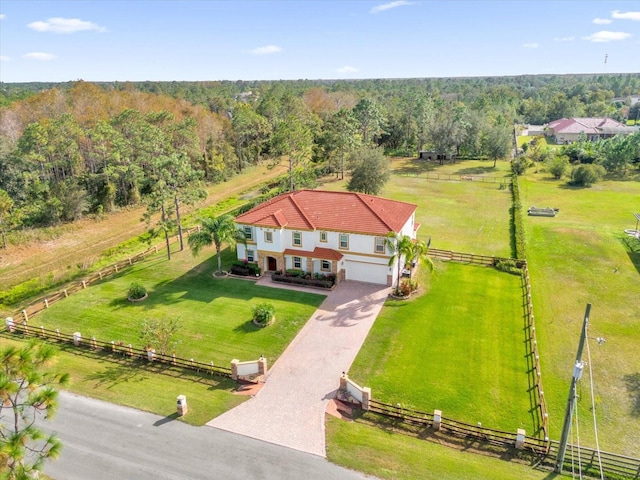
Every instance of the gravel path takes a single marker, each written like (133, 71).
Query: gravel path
(289, 409)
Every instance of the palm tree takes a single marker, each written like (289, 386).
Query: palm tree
(216, 231)
(400, 247)
(406, 250)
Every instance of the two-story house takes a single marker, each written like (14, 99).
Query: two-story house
(326, 232)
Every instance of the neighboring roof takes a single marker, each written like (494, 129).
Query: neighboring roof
(335, 211)
(588, 125)
(319, 253)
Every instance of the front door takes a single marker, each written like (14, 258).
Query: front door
(272, 264)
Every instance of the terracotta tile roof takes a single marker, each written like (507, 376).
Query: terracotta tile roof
(334, 211)
(319, 253)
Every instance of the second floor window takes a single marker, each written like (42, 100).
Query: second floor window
(297, 239)
(379, 245)
(268, 237)
(248, 233)
(344, 241)
(323, 236)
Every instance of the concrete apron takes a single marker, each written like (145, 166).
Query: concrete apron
(289, 409)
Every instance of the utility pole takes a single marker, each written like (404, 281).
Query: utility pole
(571, 401)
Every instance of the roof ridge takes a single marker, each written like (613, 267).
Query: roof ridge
(359, 196)
(293, 200)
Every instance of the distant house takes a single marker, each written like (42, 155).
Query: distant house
(433, 155)
(326, 232)
(568, 130)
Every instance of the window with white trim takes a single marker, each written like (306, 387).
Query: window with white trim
(297, 262)
(325, 265)
(248, 233)
(251, 256)
(297, 239)
(323, 236)
(380, 245)
(344, 241)
(268, 237)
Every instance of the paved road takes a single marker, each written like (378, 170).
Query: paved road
(289, 409)
(104, 441)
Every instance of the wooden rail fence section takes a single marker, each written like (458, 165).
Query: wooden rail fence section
(469, 257)
(461, 429)
(46, 302)
(587, 460)
(126, 350)
(456, 176)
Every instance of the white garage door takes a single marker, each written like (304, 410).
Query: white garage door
(366, 272)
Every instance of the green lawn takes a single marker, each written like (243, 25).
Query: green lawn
(459, 348)
(215, 314)
(580, 257)
(152, 388)
(383, 454)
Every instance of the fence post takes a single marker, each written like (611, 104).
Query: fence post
(113, 346)
(366, 396)
(437, 419)
(520, 438)
(173, 358)
(24, 314)
(42, 331)
(262, 365)
(94, 344)
(100, 273)
(46, 303)
(116, 267)
(130, 350)
(234, 369)
(58, 333)
(211, 365)
(130, 262)
(84, 284)
(10, 324)
(26, 327)
(76, 338)
(151, 354)
(65, 293)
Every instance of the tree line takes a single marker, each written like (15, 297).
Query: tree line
(79, 147)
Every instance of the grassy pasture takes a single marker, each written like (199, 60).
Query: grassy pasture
(579, 257)
(459, 348)
(215, 314)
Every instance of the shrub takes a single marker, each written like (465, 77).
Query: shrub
(405, 288)
(294, 272)
(263, 313)
(136, 291)
(585, 175)
(509, 266)
(557, 166)
(519, 165)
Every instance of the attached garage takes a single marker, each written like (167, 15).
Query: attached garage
(366, 272)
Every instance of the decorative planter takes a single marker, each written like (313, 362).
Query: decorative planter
(262, 325)
(136, 300)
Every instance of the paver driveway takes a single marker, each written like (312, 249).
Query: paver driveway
(289, 409)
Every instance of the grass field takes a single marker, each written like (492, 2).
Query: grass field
(383, 454)
(580, 257)
(459, 348)
(215, 314)
(149, 387)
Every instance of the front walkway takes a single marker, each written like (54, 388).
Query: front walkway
(289, 409)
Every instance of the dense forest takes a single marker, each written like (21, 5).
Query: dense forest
(77, 148)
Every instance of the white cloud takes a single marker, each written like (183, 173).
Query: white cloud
(39, 56)
(390, 5)
(602, 21)
(65, 25)
(564, 39)
(347, 69)
(617, 14)
(266, 50)
(531, 45)
(2, 16)
(605, 36)
(4, 58)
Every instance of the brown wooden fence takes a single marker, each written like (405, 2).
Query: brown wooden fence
(44, 302)
(456, 176)
(453, 427)
(589, 460)
(125, 350)
(470, 257)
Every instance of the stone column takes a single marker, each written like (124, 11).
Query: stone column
(234, 369)
(437, 419)
(366, 396)
(262, 365)
(520, 436)
(76, 338)
(11, 326)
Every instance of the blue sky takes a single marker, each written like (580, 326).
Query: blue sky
(168, 40)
